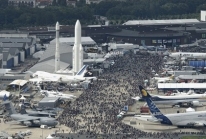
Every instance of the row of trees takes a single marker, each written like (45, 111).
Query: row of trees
(149, 9)
(118, 12)
(26, 16)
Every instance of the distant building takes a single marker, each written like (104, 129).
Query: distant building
(203, 16)
(43, 3)
(15, 50)
(98, 1)
(93, 1)
(19, 3)
(71, 3)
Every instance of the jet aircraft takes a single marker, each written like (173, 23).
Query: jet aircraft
(177, 100)
(192, 119)
(36, 113)
(185, 55)
(41, 76)
(30, 121)
(55, 94)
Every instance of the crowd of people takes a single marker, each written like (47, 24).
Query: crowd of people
(95, 111)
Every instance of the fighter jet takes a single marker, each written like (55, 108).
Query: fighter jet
(30, 121)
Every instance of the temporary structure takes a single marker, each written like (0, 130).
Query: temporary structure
(190, 109)
(50, 137)
(22, 98)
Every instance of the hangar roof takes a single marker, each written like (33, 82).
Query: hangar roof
(152, 22)
(48, 66)
(70, 40)
(17, 40)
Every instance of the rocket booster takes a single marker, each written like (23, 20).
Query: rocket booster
(78, 33)
(77, 49)
(57, 55)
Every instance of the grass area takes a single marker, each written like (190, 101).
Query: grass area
(193, 137)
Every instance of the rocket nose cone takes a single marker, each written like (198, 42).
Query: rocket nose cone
(57, 25)
(77, 24)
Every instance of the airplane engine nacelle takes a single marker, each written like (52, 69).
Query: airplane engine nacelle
(36, 122)
(196, 103)
(199, 124)
(27, 123)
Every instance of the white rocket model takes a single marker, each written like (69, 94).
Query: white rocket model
(77, 49)
(57, 55)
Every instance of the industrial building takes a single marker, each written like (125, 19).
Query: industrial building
(15, 50)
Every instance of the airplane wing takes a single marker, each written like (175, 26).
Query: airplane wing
(147, 118)
(191, 123)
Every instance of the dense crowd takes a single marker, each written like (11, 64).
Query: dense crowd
(95, 111)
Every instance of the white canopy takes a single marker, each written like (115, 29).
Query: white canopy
(190, 109)
(50, 137)
(19, 82)
(3, 93)
(22, 98)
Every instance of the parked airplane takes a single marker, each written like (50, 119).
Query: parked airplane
(27, 120)
(55, 94)
(192, 119)
(36, 113)
(41, 76)
(185, 55)
(177, 100)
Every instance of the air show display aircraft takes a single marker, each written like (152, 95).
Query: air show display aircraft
(41, 76)
(192, 119)
(27, 120)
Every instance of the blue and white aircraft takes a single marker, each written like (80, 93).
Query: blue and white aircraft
(191, 99)
(192, 119)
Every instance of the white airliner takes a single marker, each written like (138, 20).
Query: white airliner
(185, 55)
(55, 94)
(178, 100)
(41, 76)
(192, 119)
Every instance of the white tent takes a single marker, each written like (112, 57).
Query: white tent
(3, 93)
(49, 137)
(190, 109)
(22, 98)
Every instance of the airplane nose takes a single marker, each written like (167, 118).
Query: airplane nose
(56, 122)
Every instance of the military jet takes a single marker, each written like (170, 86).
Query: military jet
(27, 120)
(36, 113)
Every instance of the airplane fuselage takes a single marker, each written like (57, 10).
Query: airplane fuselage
(38, 121)
(178, 99)
(188, 55)
(185, 119)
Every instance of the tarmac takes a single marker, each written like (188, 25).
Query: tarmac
(37, 132)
